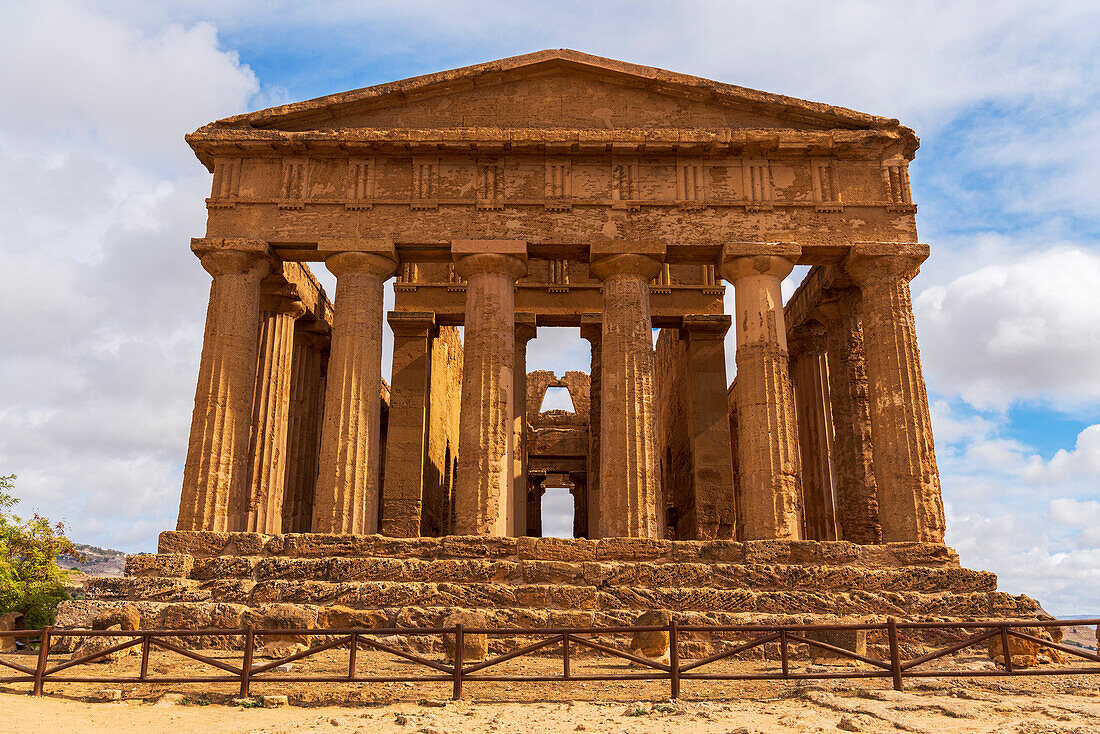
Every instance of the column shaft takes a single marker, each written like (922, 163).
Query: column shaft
(263, 502)
(407, 434)
(525, 332)
(216, 468)
(484, 490)
(629, 477)
(853, 458)
(307, 407)
(708, 432)
(815, 431)
(907, 478)
(767, 448)
(346, 498)
(592, 330)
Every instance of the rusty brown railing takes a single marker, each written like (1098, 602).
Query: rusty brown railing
(457, 673)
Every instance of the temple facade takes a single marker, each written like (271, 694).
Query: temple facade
(559, 189)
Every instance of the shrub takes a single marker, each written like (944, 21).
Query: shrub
(31, 582)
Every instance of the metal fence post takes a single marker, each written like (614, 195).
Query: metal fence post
(459, 643)
(43, 653)
(895, 654)
(674, 658)
(246, 667)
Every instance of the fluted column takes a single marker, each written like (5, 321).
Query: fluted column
(262, 503)
(592, 330)
(853, 459)
(767, 450)
(525, 332)
(712, 514)
(407, 433)
(483, 498)
(810, 382)
(629, 476)
(346, 498)
(908, 481)
(307, 407)
(217, 453)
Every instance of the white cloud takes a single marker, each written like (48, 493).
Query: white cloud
(1021, 329)
(1082, 462)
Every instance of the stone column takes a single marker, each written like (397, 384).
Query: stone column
(484, 489)
(629, 486)
(525, 332)
(767, 450)
(709, 434)
(216, 468)
(346, 498)
(407, 433)
(908, 481)
(534, 506)
(262, 503)
(809, 376)
(592, 330)
(580, 505)
(853, 461)
(307, 407)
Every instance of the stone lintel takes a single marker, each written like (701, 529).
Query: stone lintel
(411, 323)
(591, 326)
(786, 250)
(379, 246)
(706, 326)
(203, 246)
(901, 249)
(515, 248)
(655, 249)
(525, 326)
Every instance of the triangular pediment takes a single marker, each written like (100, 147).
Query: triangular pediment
(555, 89)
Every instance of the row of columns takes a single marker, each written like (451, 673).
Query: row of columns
(491, 485)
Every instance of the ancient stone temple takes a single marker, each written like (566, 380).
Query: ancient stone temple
(559, 189)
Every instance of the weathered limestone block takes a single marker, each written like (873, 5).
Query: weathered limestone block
(292, 568)
(473, 595)
(852, 640)
(94, 645)
(631, 549)
(315, 545)
(365, 569)
(346, 496)
(570, 597)
(146, 589)
(224, 567)
(159, 564)
(553, 572)
(565, 549)
(283, 617)
(653, 645)
(8, 622)
(475, 647)
(923, 554)
(478, 547)
(721, 551)
(124, 616)
(192, 543)
(1025, 653)
(341, 617)
(234, 591)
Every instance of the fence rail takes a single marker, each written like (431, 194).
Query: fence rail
(458, 672)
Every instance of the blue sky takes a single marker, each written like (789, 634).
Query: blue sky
(102, 306)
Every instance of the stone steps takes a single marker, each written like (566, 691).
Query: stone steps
(201, 580)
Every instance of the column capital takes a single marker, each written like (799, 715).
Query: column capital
(281, 299)
(378, 264)
(412, 323)
(232, 255)
(626, 258)
(706, 326)
(805, 339)
(507, 257)
(837, 303)
(525, 327)
(779, 264)
(871, 263)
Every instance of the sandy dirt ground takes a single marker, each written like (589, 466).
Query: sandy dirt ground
(1031, 705)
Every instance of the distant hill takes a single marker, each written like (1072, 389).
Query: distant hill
(95, 561)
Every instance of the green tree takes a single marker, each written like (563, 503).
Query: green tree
(31, 582)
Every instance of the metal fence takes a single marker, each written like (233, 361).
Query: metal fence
(458, 672)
